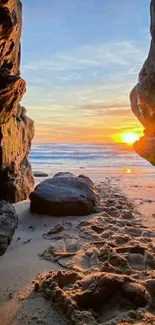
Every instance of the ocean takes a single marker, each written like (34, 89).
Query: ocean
(50, 156)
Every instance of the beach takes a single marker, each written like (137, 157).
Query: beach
(78, 248)
(127, 197)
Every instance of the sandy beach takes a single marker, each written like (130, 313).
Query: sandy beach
(125, 228)
(87, 121)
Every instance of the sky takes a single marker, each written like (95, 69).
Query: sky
(80, 59)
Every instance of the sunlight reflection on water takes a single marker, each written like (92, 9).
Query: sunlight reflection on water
(128, 170)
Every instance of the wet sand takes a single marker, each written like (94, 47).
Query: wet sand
(114, 247)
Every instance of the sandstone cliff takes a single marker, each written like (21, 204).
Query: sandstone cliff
(16, 129)
(143, 99)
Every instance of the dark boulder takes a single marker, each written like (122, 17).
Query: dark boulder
(8, 224)
(65, 195)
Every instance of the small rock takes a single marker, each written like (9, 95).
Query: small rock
(40, 174)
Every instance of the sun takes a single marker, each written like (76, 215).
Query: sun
(129, 137)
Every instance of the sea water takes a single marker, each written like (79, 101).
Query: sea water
(70, 156)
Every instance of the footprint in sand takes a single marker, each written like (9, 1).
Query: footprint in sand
(95, 299)
(138, 257)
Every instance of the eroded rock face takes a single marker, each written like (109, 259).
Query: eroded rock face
(64, 195)
(143, 99)
(8, 223)
(16, 129)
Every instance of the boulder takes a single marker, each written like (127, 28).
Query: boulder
(142, 99)
(65, 195)
(16, 129)
(8, 223)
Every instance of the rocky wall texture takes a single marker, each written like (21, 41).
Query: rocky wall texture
(143, 99)
(16, 129)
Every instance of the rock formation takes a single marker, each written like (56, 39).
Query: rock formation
(8, 223)
(65, 195)
(143, 99)
(16, 129)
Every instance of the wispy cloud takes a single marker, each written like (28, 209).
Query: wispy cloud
(90, 56)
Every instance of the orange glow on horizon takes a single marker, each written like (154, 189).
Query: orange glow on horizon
(88, 134)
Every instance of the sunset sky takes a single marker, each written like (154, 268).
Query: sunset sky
(80, 59)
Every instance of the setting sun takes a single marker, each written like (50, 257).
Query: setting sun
(129, 137)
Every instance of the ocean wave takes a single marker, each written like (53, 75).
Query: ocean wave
(48, 155)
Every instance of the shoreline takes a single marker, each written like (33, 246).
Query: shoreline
(97, 174)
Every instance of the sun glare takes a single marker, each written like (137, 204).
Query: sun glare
(129, 137)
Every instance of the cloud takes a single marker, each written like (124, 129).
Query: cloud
(91, 56)
(110, 106)
(89, 75)
(85, 91)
